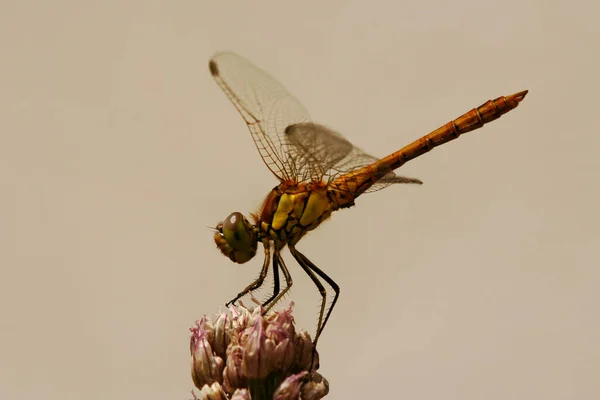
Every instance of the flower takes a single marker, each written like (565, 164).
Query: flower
(207, 367)
(242, 354)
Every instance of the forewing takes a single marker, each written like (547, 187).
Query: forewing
(291, 145)
(265, 105)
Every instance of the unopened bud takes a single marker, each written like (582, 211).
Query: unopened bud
(232, 376)
(281, 331)
(316, 388)
(212, 392)
(290, 387)
(222, 334)
(241, 394)
(256, 362)
(305, 354)
(206, 367)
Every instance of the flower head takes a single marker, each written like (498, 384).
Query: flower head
(246, 355)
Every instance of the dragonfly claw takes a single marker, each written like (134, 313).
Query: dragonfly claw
(231, 303)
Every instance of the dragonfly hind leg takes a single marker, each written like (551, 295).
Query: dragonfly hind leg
(258, 282)
(310, 270)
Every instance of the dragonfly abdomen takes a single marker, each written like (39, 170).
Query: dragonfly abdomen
(474, 119)
(357, 182)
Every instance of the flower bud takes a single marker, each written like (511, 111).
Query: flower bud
(206, 367)
(241, 394)
(232, 375)
(316, 388)
(257, 361)
(280, 330)
(239, 322)
(222, 334)
(212, 392)
(284, 355)
(290, 387)
(305, 353)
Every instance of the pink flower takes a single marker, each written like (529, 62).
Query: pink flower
(207, 367)
(245, 355)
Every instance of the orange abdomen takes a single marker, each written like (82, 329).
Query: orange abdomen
(358, 181)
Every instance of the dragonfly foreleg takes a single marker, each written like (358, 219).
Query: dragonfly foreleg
(258, 282)
(275, 282)
(278, 261)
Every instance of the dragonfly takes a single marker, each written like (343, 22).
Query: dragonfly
(318, 170)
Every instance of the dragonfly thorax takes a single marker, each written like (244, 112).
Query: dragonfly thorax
(292, 210)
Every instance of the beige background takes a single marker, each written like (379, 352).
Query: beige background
(117, 149)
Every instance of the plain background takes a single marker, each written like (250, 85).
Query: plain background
(117, 149)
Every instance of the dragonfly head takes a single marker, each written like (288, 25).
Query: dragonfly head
(236, 238)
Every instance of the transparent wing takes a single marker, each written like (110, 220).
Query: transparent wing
(267, 108)
(317, 145)
(291, 145)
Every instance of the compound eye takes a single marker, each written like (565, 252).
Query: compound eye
(237, 231)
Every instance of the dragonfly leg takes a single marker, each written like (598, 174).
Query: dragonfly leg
(275, 282)
(278, 260)
(259, 281)
(311, 269)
